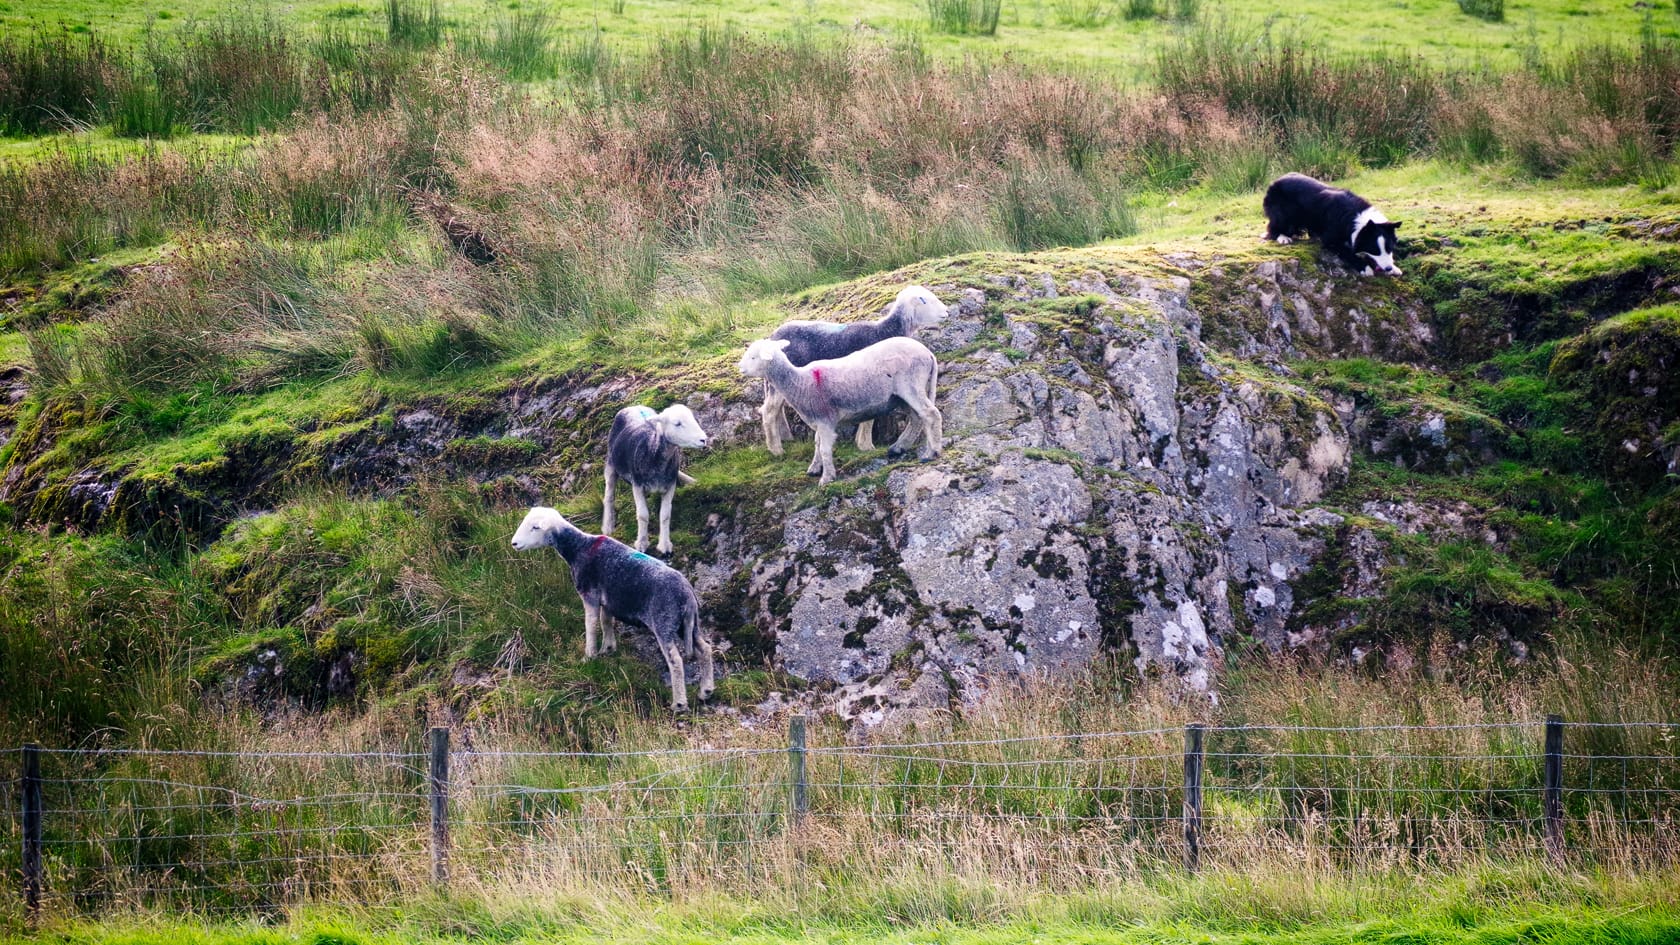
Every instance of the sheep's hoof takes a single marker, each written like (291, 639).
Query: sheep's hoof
(813, 472)
(706, 694)
(894, 452)
(664, 549)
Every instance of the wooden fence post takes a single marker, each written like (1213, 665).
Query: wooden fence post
(1193, 796)
(32, 810)
(1552, 795)
(796, 766)
(440, 805)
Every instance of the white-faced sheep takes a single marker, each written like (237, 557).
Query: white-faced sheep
(618, 583)
(643, 449)
(914, 309)
(891, 373)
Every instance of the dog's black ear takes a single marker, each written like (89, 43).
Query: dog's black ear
(1396, 226)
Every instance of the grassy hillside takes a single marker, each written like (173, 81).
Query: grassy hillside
(227, 516)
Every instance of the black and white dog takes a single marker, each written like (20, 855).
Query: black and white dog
(1344, 222)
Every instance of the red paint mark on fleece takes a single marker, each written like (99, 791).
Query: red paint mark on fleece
(816, 376)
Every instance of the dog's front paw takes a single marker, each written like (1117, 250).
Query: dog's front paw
(1284, 241)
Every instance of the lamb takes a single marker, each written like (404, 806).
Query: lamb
(643, 450)
(618, 583)
(914, 309)
(861, 386)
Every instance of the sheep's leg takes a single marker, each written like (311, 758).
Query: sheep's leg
(774, 422)
(607, 503)
(933, 442)
(708, 684)
(865, 439)
(913, 429)
(825, 453)
(679, 683)
(933, 438)
(641, 516)
(591, 617)
(609, 631)
(665, 520)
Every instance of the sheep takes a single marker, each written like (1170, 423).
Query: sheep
(860, 386)
(914, 309)
(618, 583)
(643, 450)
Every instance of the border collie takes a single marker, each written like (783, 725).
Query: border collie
(1344, 222)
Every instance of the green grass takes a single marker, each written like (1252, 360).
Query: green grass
(1435, 29)
(1487, 906)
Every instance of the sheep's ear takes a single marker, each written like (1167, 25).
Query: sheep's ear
(781, 343)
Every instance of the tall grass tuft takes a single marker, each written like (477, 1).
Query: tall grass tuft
(412, 25)
(965, 17)
(1141, 9)
(520, 45)
(1492, 11)
(1044, 203)
(1084, 14)
(1301, 92)
(140, 109)
(53, 81)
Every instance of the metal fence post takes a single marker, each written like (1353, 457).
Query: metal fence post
(1552, 794)
(32, 831)
(1193, 796)
(440, 805)
(796, 766)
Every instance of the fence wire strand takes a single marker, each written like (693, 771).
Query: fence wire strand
(243, 832)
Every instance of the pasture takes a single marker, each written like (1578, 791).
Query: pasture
(1117, 37)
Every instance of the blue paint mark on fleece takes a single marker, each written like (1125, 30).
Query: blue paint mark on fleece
(646, 412)
(638, 556)
(831, 327)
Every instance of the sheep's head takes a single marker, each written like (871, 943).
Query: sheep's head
(539, 523)
(761, 354)
(920, 307)
(678, 425)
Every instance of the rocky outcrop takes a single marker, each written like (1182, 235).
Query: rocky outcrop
(1111, 480)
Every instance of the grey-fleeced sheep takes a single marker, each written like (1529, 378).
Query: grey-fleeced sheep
(914, 309)
(644, 449)
(618, 583)
(891, 373)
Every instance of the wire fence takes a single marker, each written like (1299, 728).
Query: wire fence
(213, 832)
